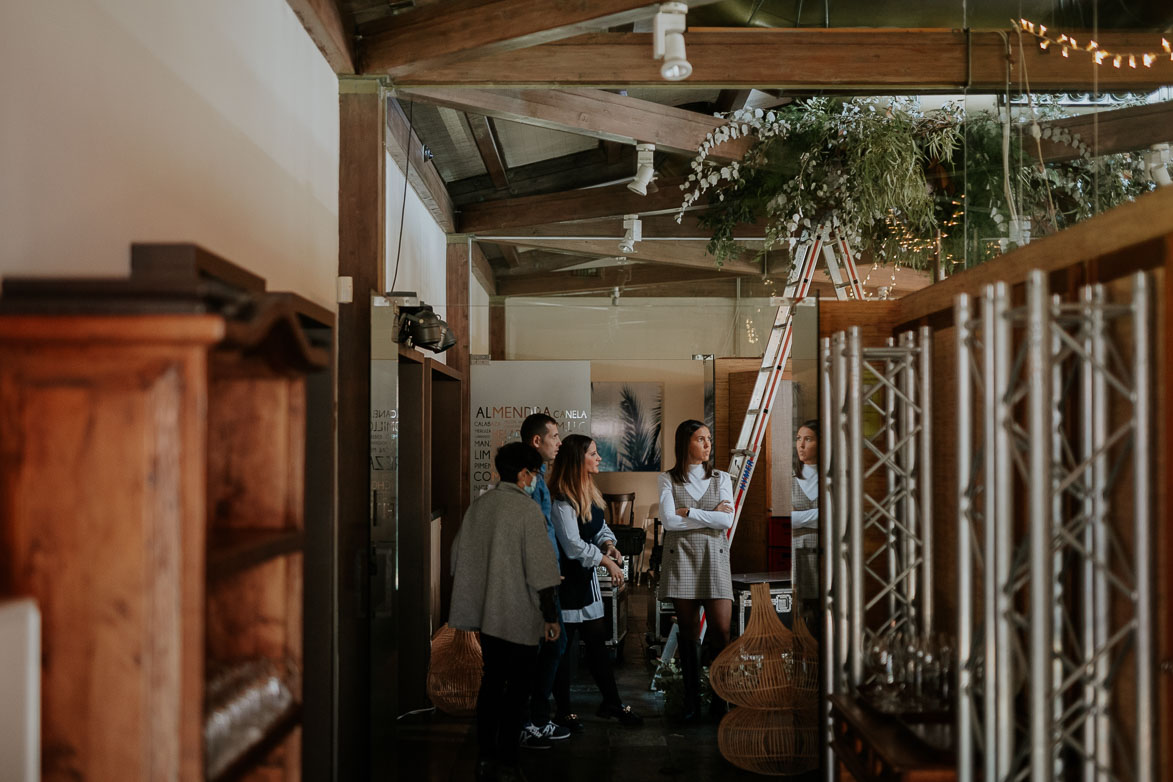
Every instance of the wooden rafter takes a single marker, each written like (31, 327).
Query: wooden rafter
(627, 277)
(510, 254)
(329, 30)
(482, 271)
(1118, 130)
(566, 172)
(444, 33)
(486, 139)
(660, 226)
(584, 204)
(404, 146)
(594, 113)
(667, 253)
(875, 59)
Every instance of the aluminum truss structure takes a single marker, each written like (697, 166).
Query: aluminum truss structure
(1054, 451)
(877, 408)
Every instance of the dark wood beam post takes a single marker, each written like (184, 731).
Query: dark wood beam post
(330, 30)
(361, 210)
(497, 328)
(485, 136)
(457, 316)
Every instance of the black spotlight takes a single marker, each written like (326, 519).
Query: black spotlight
(421, 327)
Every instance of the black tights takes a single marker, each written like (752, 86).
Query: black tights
(594, 634)
(718, 612)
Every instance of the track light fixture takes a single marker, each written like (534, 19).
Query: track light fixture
(633, 232)
(668, 27)
(644, 154)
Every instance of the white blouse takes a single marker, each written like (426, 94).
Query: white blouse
(696, 486)
(809, 483)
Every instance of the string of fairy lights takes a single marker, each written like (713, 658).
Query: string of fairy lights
(1099, 54)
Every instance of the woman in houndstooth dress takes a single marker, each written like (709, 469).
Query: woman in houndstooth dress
(696, 508)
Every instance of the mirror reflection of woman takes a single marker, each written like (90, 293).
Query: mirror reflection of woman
(696, 507)
(585, 542)
(804, 516)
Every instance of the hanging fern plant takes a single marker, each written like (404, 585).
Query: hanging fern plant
(894, 181)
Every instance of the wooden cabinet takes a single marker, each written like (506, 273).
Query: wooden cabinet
(429, 510)
(151, 501)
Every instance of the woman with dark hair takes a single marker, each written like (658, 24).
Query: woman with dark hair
(585, 542)
(804, 515)
(696, 508)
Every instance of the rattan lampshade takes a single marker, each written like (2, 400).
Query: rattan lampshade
(766, 668)
(454, 674)
(774, 742)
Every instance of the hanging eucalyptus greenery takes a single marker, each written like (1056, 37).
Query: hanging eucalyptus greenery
(899, 183)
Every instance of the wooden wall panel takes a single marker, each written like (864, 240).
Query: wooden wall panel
(101, 461)
(748, 554)
(458, 357)
(414, 513)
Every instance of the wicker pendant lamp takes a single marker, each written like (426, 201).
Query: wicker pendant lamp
(454, 673)
(767, 667)
(773, 675)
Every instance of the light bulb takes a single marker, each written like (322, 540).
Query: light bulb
(675, 67)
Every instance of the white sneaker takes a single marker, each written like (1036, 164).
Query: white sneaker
(552, 731)
(532, 737)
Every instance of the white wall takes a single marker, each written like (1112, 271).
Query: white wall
(422, 258)
(653, 327)
(214, 122)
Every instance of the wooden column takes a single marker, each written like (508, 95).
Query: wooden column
(458, 358)
(458, 354)
(362, 215)
(497, 328)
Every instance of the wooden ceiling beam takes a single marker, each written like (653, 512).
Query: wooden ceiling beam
(443, 33)
(732, 100)
(404, 146)
(870, 59)
(584, 204)
(625, 277)
(510, 254)
(659, 226)
(1109, 132)
(579, 169)
(330, 31)
(594, 113)
(668, 253)
(483, 271)
(486, 138)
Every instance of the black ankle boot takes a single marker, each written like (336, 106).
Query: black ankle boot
(690, 673)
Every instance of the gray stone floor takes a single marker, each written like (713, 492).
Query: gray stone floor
(434, 747)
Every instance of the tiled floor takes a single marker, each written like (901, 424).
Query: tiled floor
(434, 747)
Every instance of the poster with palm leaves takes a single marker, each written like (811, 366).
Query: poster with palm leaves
(625, 423)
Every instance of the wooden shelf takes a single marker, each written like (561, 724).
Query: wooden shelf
(875, 746)
(247, 761)
(233, 550)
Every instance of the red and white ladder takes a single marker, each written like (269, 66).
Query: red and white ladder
(777, 354)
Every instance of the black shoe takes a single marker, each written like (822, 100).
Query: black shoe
(571, 722)
(622, 713)
(486, 771)
(510, 774)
